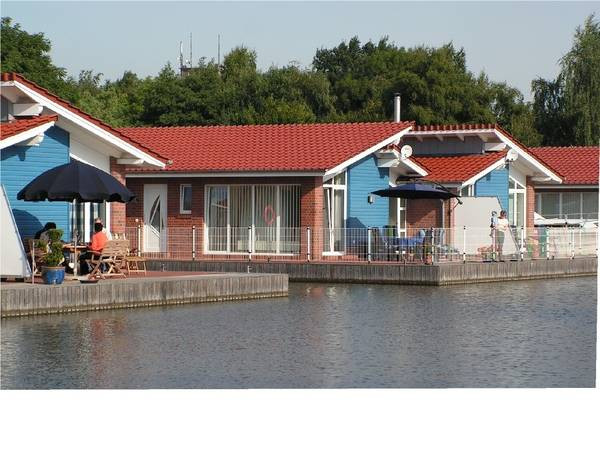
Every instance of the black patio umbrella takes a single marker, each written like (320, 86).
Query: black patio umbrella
(417, 190)
(78, 182)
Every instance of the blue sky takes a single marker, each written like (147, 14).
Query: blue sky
(513, 42)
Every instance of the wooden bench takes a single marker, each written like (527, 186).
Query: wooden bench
(112, 257)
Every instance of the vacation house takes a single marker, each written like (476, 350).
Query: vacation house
(261, 188)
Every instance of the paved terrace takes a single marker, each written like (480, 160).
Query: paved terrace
(156, 289)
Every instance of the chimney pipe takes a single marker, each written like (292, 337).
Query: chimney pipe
(397, 107)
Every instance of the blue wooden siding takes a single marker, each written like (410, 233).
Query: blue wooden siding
(19, 165)
(495, 184)
(363, 178)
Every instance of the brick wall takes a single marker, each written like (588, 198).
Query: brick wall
(530, 199)
(424, 213)
(311, 214)
(117, 210)
(311, 204)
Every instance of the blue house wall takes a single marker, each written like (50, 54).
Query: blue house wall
(19, 165)
(495, 183)
(364, 177)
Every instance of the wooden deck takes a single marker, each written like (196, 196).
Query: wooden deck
(158, 288)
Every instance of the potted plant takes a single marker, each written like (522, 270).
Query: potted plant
(52, 271)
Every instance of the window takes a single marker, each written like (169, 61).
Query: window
(83, 216)
(466, 191)
(272, 212)
(516, 202)
(397, 216)
(185, 199)
(334, 213)
(567, 205)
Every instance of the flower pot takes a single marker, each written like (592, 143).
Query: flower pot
(53, 275)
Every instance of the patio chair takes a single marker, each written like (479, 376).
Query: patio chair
(111, 257)
(36, 255)
(132, 262)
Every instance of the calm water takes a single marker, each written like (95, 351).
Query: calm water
(523, 334)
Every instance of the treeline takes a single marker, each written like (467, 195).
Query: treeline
(350, 82)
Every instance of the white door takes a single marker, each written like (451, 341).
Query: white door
(155, 217)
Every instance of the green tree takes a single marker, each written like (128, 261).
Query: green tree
(567, 109)
(29, 55)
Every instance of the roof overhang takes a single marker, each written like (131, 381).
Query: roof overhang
(529, 160)
(341, 167)
(85, 124)
(26, 135)
(473, 179)
(248, 174)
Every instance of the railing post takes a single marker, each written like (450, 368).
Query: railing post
(139, 240)
(308, 235)
(194, 242)
(369, 233)
(464, 244)
(522, 245)
(249, 242)
(432, 244)
(572, 242)
(494, 244)
(547, 243)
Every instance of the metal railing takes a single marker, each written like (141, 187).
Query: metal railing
(365, 245)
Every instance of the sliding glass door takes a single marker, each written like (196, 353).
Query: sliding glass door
(267, 214)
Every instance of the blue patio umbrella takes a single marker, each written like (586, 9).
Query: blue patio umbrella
(417, 190)
(76, 182)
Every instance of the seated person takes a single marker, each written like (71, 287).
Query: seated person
(42, 234)
(96, 245)
(104, 229)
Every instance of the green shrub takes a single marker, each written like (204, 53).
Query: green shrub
(54, 257)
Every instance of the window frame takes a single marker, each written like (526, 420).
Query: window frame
(182, 188)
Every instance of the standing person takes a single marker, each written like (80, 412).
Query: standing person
(501, 229)
(104, 230)
(493, 223)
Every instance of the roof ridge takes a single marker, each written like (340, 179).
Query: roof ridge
(266, 125)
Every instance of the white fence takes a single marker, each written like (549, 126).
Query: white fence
(426, 245)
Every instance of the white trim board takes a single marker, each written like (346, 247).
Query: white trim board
(340, 167)
(473, 179)
(85, 124)
(529, 158)
(26, 135)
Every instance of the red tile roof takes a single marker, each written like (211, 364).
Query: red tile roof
(457, 168)
(10, 129)
(10, 76)
(300, 147)
(577, 165)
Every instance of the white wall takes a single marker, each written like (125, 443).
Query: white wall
(86, 154)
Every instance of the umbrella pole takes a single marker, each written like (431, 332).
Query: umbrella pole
(74, 236)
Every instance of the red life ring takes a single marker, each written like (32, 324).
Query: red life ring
(269, 215)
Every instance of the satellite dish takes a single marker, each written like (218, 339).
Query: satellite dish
(512, 155)
(406, 151)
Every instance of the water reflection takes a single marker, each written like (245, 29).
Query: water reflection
(530, 334)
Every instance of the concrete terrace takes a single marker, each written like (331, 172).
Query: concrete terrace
(156, 289)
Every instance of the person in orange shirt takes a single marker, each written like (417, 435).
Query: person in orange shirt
(99, 239)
